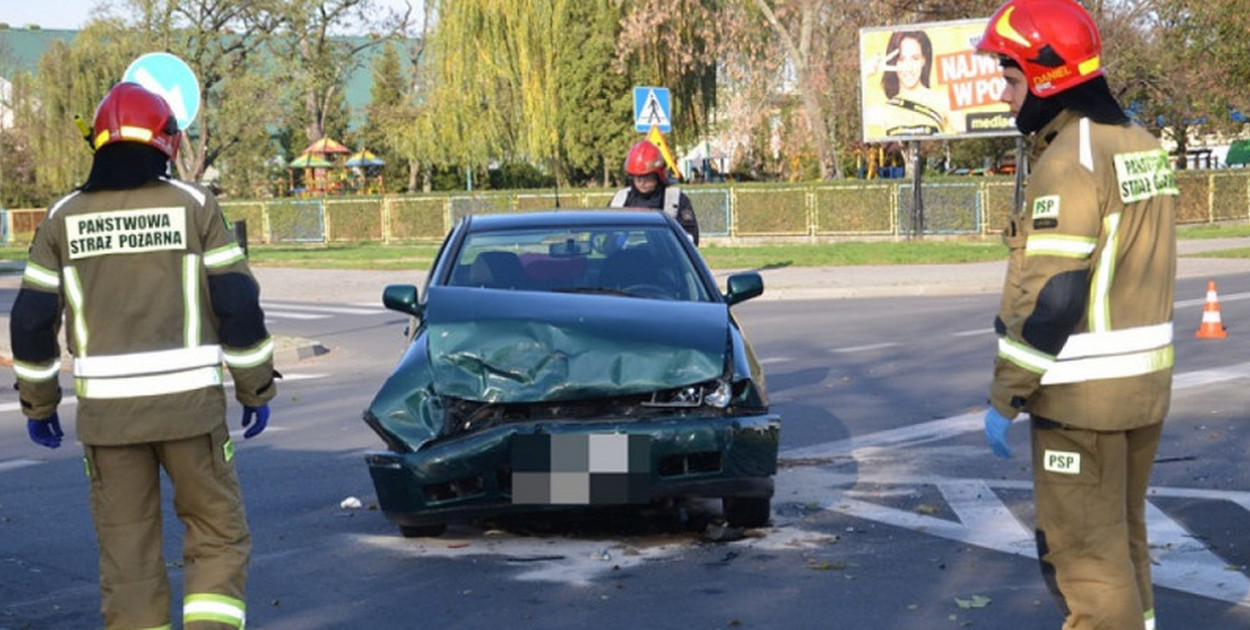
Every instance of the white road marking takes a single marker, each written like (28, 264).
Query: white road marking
(982, 513)
(969, 333)
(775, 360)
(1232, 297)
(910, 435)
(14, 464)
(1181, 561)
(874, 346)
(1178, 304)
(290, 315)
(338, 310)
(1184, 563)
(1199, 378)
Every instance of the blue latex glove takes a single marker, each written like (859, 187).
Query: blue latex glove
(996, 425)
(258, 414)
(45, 432)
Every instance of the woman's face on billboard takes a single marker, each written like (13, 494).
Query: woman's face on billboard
(910, 63)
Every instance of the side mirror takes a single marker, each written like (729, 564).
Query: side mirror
(744, 286)
(402, 298)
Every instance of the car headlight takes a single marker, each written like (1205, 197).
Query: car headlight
(720, 396)
(710, 393)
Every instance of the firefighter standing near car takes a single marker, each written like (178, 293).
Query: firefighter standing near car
(649, 188)
(155, 294)
(1085, 320)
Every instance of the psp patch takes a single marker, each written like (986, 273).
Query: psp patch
(1046, 212)
(1062, 462)
(1046, 207)
(602, 469)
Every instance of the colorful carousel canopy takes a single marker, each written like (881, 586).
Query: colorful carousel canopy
(326, 146)
(308, 160)
(364, 157)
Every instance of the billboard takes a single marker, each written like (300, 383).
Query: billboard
(926, 81)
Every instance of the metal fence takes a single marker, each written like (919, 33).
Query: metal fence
(879, 208)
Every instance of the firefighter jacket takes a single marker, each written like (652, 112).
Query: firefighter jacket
(1086, 317)
(673, 202)
(155, 294)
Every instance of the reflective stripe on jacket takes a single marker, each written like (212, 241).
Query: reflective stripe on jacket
(672, 199)
(133, 269)
(1087, 303)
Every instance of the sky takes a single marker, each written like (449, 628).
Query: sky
(72, 14)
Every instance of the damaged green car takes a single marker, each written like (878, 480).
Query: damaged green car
(565, 359)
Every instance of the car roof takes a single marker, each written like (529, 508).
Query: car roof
(567, 218)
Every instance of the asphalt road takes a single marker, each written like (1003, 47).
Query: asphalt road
(890, 512)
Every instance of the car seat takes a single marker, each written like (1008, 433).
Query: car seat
(498, 270)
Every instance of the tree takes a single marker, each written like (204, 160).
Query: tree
(19, 185)
(70, 81)
(595, 108)
(407, 120)
(1168, 64)
(676, 44)
(387, 103)
(495, 95)
(322, 61)
(797, 41)
(235, 78)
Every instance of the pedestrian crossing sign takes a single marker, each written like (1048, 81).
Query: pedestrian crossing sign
(652, 108)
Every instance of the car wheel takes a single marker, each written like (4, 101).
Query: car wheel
(747, 511)
(422, 531)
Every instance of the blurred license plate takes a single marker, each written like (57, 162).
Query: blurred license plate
(596, 469)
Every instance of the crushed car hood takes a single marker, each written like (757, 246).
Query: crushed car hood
(518, 346)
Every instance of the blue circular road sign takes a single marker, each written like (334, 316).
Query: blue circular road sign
(173, 79)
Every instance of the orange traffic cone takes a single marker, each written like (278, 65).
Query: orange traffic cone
(1212, 327)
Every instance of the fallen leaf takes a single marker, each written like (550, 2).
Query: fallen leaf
(976, 601)
(825, 565)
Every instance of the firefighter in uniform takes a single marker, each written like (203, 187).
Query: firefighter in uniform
(649, 188)
(156, 294)
(1085, 326)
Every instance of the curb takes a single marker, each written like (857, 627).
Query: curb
(293, 349)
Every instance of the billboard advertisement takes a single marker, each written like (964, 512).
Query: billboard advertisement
(927, 82)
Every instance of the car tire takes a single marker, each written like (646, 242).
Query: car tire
(747, 511)
(422, 531)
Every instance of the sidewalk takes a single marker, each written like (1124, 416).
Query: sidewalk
(347, 286)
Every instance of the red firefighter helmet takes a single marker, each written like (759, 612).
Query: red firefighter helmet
(1055, 42)
(645, 159)
(130, 113)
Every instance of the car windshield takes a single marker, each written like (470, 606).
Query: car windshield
(632, 261)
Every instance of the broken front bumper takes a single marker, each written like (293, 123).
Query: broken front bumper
(497, 470)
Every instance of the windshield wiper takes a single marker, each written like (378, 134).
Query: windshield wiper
(594, 290)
